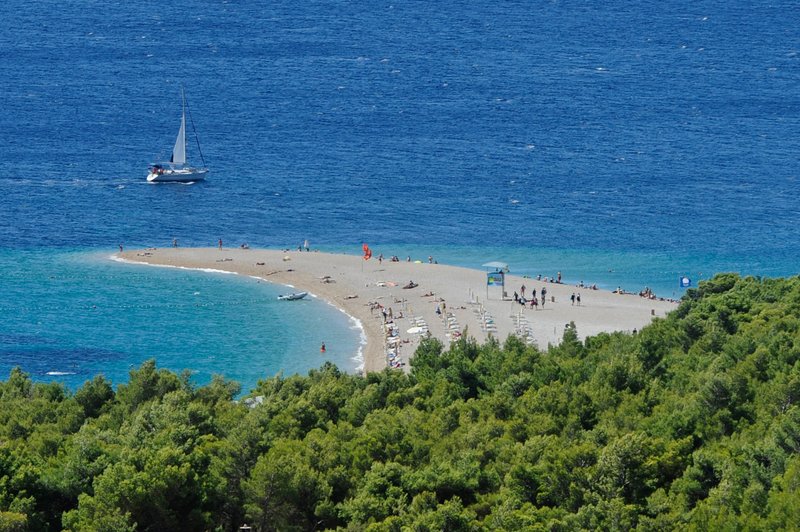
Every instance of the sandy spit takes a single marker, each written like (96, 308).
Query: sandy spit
(366, 289)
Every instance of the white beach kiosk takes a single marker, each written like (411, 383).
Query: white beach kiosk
(497, 277)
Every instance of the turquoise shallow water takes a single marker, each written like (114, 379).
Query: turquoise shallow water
(621, 143)
(68, 316)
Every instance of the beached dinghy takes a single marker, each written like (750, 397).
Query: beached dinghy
(293, 297)
(176, 170)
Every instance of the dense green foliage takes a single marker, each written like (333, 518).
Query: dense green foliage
(693, 423)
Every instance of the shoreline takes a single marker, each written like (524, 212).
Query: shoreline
(357, 324)
(445, 302)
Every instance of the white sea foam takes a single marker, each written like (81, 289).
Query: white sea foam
(362, 343)
(358, 358)
(116, 258)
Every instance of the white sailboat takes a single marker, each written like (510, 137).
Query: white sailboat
(176, 170)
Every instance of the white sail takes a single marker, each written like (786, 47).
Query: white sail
(179, 151)
(177, 169)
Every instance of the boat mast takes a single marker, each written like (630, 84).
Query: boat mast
(191, 120)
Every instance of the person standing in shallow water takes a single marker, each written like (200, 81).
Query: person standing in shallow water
(322, 348)
(220, 243)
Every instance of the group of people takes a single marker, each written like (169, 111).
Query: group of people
(533, 300)
(387, 313)
(394, 258)
(556, 279)
(647, 293)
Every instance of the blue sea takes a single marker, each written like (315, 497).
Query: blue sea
(620, 143)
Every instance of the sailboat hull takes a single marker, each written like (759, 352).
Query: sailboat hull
(177, 175)
(177, 170)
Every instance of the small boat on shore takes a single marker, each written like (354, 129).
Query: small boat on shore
(176, 170)
(292, 297)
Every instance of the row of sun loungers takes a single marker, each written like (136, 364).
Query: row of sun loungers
(485, 320)
(451, 326)
(523, 329)
(419, 324)
(392, 345)
(393, 342)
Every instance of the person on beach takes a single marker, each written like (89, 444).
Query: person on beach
(220, 243)
(516, 297)
(578, 299)
(430, 259)
(522, 290)
(559, 277)
(572, 298)
(174, 242)
(544, 295)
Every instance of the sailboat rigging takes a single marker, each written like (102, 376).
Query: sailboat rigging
(177, 170)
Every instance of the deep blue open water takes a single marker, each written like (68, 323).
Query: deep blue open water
(620, 143)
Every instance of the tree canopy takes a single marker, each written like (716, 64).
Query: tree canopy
(693, 423)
